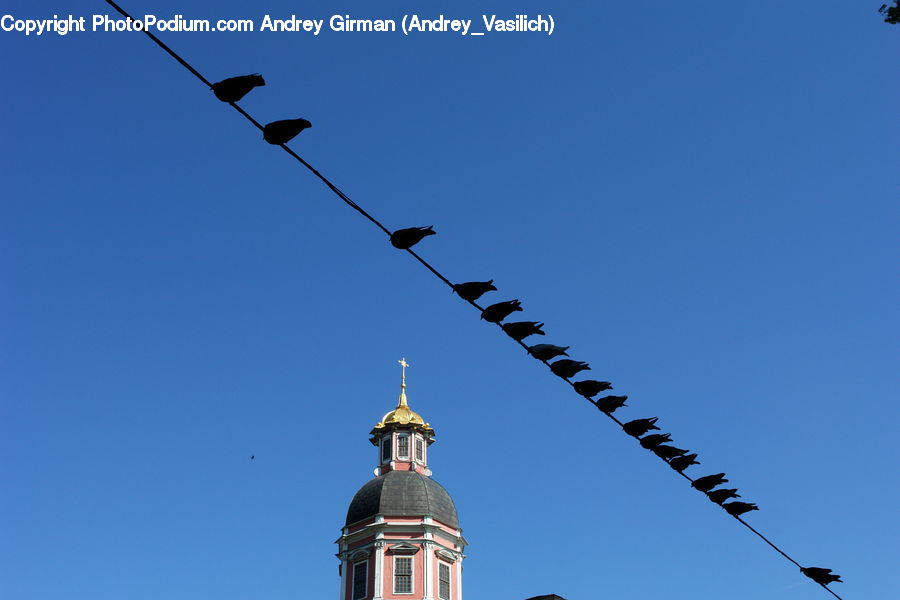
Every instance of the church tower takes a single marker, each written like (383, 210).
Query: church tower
(401, 540)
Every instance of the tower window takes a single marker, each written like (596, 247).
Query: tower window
(403, 575)
(386, 449)
(420, 449)
(403, 446)
(360, 580)
(444, 581)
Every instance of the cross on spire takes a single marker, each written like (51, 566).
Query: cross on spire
(403, 365)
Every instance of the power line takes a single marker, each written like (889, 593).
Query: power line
(338, 192)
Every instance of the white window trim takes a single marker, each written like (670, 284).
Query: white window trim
(403, 548)
(390, 440)
(401, 456)
(353, 581)
(412, 575)
(443, 565)
(360, 554)
(446, 556)
(416, 441)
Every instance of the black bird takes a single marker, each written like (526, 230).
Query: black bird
(736, 509)
(592, 387)
(820, 575)
(547, 351)
(668, 452)
(708, 482)
(497, 312)
(655, 439)
(639, 427)
(609, 404)
(235, 88)
(473, 290)
(568, 368)
(252, 456)
(281, 132)
(522, 329)
(404, 239)
(680, 463)
(720, 496)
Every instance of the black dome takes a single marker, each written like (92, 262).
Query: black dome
(403, 494)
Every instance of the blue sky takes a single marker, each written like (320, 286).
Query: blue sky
(697, 197)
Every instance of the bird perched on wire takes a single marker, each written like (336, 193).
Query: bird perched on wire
(281, 132)
(655, 439)
(639, 427)
(668, 452)
(473, 290)
(404, 239)
(522, 329)
(720, 496)
(708, 482)
(609, 404)
(497, 312)
(547, 351)
(891, 13)
(235, 88)
(568, 368)
(820, 575)
(680, 463)
(736, 509)
(592, 387)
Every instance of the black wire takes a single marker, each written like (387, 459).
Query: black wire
(425, 263)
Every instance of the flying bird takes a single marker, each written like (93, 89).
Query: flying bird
(497, 312)
(736, 509)
(680, 463)
(235, 88)
(547, 351)
(404, 239)
(639, 427)
(281, 132)
(655, 439)
(522, 329)
(708, 482)
(592, 387)
(720, 496)
(252, 456)
(609, 404)
(473, 290)
(820, 575)
(568, 368)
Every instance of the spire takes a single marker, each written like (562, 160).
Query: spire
(403, 365)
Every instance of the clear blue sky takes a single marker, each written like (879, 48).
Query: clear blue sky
(700, 198)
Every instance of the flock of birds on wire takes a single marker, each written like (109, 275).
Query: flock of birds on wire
(280, 132)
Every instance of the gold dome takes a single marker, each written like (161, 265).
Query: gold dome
(403, 414)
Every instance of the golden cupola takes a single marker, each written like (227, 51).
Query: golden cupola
(402, 437)
(403, 416)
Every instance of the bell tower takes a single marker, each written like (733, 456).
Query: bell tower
(401, 539)
(402, 436)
